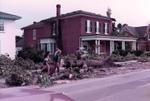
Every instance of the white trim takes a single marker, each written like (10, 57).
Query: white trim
(106, 27)
(88, 22)
(97, 27)
(99, 49)
(108, 38)
(47, 41)
(123, 45)
(96, 48)
(133, 45)
(112, 46)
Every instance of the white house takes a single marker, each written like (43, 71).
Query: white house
(7, 34)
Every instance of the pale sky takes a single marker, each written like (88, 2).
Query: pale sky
(132, 12)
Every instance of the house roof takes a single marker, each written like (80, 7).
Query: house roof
(62, 16)
(34, 25)
(141, 30)
(80, 12)
(135, 31)
(9, 16)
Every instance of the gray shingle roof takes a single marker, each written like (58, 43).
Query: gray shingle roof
(135, 31)
(9, 16)
(80, 12)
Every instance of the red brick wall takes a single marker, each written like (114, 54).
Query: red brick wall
(42, 32)
(71, 29)
(100, 20)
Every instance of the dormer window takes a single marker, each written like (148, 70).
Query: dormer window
(1, 25)
(88, 26)
(34, 34)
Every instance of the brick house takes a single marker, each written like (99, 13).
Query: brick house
(78, 29)
(142, 33)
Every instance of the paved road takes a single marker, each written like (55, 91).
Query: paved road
(128, 87)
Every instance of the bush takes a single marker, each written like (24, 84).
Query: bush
(14, 80)
(137, 52)
(121, 52)
(29, 53)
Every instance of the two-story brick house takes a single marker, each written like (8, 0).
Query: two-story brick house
(77, 29)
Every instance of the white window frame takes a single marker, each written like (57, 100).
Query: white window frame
(2, 25)
(34, 34)
(97, 27)
(88, 26)
(106, 27)
(50, 43)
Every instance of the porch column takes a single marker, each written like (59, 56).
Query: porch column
(123, 45)
(81, 43)
(111, 46)
(134, 45)
(98, 47)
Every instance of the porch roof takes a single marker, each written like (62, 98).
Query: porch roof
(107, 38)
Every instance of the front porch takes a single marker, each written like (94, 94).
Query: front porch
(107, 44)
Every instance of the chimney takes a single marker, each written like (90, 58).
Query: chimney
(58, 10)
(34, 22)
(108, 13)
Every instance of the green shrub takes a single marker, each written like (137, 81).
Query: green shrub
(121, 52)
(29, 53)
(137, 52)
(14, 80)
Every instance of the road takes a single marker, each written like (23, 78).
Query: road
(133, 86)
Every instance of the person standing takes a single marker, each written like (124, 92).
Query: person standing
(56, 59)
(46, 65)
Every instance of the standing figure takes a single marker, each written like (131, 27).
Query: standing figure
(46, 65)
(56, 59)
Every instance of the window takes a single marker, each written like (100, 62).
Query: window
(97, 27)
(103, 31)
(88, 26)
(34, 34)
(48, 47)
(1, 25)
(54, 29)
(106, 28)
(100, 27)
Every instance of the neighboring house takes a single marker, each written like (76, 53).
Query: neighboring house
(142, 33)
(19, 45)
(77, 29)
(7, 34)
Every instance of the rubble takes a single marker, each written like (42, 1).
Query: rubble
(71, 69)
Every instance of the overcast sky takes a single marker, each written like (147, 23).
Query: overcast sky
(132, 12)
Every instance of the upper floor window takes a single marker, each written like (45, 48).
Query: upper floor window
(54, 29)
(88, 26)
(106, 28)
(34, 34)
(1, 25)
(97, 28)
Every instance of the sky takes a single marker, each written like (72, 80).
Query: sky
(131, 12)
